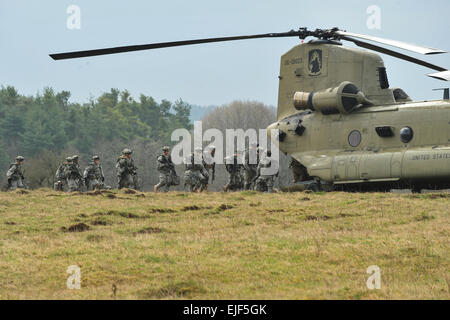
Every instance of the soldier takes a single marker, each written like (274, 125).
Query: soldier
(126, 170)
(15, 174)
(264, 180)
(195, 176)
(234, 169)
(298, 170)
(75, 181)
(210, 164)
(251, 160)
(61, 183)
(167, 174)
(93, 175)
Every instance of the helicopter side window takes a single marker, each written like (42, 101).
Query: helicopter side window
(354, 138)
(406, 134)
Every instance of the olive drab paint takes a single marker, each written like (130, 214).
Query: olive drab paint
(361, 144)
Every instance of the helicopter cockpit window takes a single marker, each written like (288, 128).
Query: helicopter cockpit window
(354, 138)
(406, 134)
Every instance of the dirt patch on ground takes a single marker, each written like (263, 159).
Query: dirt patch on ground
(309, 218)
(224, 207)
(190, 208)
(275, 210)
(123, 214)
(161, 210)
(347, 215)
(305, 199)
(129, 191)
(150, 230)
(79, 227)
(100, 223)
(10, 223)
(255, 204)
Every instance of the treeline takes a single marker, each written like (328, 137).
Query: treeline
(49, 124)
(47, 127)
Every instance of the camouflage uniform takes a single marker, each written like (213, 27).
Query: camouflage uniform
(75, 181)
(298, 170)
(93, 175)
(264, 182)
(126, 171)
(209, 164)
(251, 160)
(15, 174)
(61, 183)
(167, 174)
(195, 175)
(235, 178)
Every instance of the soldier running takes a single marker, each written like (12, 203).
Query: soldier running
(298, 170)
(167, 174)
(126, 170)
(251, 160)
(210, 164)
(266, 174)
(61, 183)
(235, 178)
(15, 174)
(93, 175)
(195, 176)
(75, 181)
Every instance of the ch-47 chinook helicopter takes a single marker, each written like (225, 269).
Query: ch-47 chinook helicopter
(338, 118)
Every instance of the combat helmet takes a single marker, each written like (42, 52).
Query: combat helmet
(95, 158)
(127, 151)
(69, 159)
(20, 158)
(165, 148)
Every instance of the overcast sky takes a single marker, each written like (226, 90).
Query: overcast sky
(209, 74)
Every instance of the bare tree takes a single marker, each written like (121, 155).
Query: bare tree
(243, 115)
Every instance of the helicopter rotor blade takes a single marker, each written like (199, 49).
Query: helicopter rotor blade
(104, 51)
(393, 43)
(444, 75)
(394, 53)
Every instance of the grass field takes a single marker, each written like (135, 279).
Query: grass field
(241, 245)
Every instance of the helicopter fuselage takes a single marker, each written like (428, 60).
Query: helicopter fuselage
(366, 146)
(338, 118)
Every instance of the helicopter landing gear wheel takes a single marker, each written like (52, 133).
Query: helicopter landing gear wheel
(314, 187)
(416, 190)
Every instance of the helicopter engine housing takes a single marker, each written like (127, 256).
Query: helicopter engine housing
(344, 98)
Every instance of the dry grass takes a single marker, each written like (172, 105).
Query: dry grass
(224, 245)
